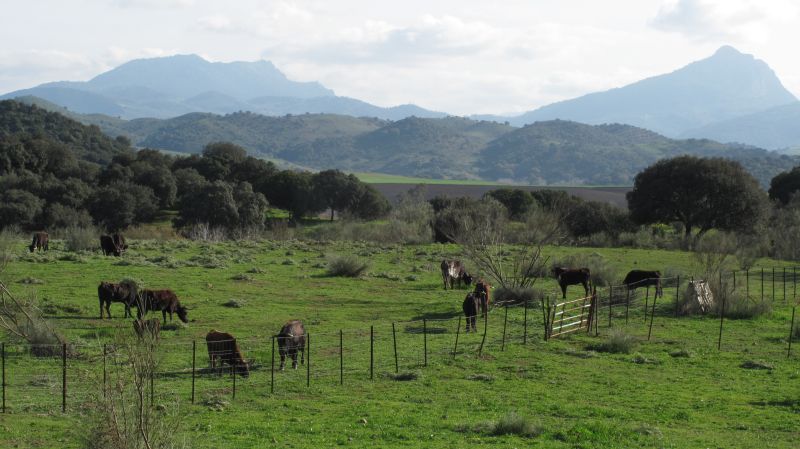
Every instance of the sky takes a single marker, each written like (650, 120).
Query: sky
(457, 56)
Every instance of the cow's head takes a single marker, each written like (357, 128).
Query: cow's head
(467, 278)
(183, 313)
(243, 368)
(557, 271)
(32, 247)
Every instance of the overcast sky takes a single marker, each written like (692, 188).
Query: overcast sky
(456, 56)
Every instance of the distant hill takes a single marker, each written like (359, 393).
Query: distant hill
(776, 128)
(21, 122)
(723, 86)
(177, 85)
(564, 152)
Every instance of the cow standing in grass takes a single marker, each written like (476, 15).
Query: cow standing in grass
(471, 306)
(108, 246)
(223, 348)
(119, 242)
(642, 278)
(572, 276)
(164, 300)
(483, 290)
(108, 292)
(453, 271)
(41, 241)
(291, 339)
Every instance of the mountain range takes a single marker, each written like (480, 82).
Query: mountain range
(729, 97)
(550, 152)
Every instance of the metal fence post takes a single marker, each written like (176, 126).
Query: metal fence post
(505, 322)
(272, 369)
(652, 316)
(105, 376)
(610, 300)
(458, 331)
(371, 352)
(394, 343)
(485, 327)
(341, 357)
(525, 323)
(194, 354)
(677, 294)
(233, 377)
(308, 360)
(63, 377)
(4, 376)
(627, 305)
(721, 320)
(788, 353)
(425, 341)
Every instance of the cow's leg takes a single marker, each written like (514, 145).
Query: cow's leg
(586, 288)
(108, 309)
(164, 315)
(294, 359)
(282, 353)
(101, 309)
(564, 291)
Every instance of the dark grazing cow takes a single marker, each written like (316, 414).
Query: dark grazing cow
(222, 348)
(471, 307)
(119, 242)
(144, 327)
(40, 241)
(642, 278)
(483, 290)
(108, 292)
(291, 339)
(572, 276)
(108, 246)
(164, 300)
(454, 271)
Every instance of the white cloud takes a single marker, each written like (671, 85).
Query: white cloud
(742, 21)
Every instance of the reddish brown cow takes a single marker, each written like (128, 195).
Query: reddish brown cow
(483, 290)
(291, 339)
(151, 326)
(453, 271)
(164, 300)
(222, 348)
(572, 276)
(108, 292)
(41, 241)
(119, 242)
(108, 246)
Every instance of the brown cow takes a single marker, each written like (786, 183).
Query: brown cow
(151, 326)
(40, 241)
(572, 276)
(483, 290)
(642, 278)
(108, 292)
(222, 347)
(291, 339)
(108, 246)
(164, 300)
(471, 307)
(454, 271)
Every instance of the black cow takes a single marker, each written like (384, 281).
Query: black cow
(454, 271)
(483, 290)
(471, 307)
(222, 347)
(572, 276)
(108, 292)
(642, 278)
(41, 241)
(108, 246)
(291, 339)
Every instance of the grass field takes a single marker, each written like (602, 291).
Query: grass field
(676, 390)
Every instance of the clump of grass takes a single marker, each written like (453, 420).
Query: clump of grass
(581, 354)
(43, 380)
(640, 359)
(739, 307)
(404, 376)
(319, 265)
(242, 277)
(346, 266)
(256, 270)
(389, 276)
(30, 281)
(517, 295)
(514, 424)
(215, 402)
(617, 343)
(412, 278)
(72, 257)
(681, 353)
(173, 326)
(755, 364)
(233, 303)
(481, 377)
(288, 262)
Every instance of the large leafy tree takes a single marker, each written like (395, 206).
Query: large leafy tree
(784, 185)
(700, 193)
(336, 190)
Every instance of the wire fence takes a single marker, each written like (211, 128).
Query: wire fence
(72, 376)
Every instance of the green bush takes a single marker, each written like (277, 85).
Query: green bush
(346, 266)
(514, 424)
(739, 307)
(81, 239)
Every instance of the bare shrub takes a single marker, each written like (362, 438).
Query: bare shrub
(514, 424)
(8, 238)
(346, 266)
(204, 232)
(22, 319)
(738, 306)
(617, 343)
(81, 239)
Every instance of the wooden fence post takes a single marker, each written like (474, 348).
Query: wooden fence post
(341, 357)
(646, 302)
(272, 369)
(394, 342)
(652, 316)
(4, 376)
(63, 377)
(458, 331)
(525, 323)
(425, 342)
(505, 321)
(371, 352)
(308, 360)
(485, 326)
(194, 370)
(788, 353)
(721, 319)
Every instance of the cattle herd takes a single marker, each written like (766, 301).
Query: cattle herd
(223, 348)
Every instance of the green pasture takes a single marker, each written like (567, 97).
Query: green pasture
(676, 390)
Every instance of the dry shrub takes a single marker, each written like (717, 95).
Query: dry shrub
(518, 295)
(514, 424)
(346, 266)
(81, 239)
(617, 343)
(152, 231)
